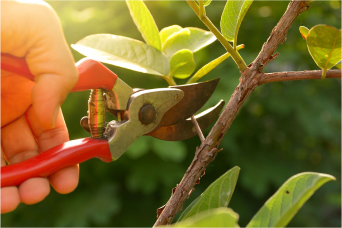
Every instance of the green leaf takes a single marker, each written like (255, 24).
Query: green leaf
(210, 66)
(182, 64)
(192, 39)
(218, 194)
(168, 31)
(338, 65)
(145, 23)
(304, 31)
(205, 2)
(124, 52)
(232, 16)
(219, 217)
(285, 203)
(324, 44)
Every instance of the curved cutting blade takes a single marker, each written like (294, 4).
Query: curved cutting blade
(186, 129)
(195, 96)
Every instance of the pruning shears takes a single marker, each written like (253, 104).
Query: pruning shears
(161, 113)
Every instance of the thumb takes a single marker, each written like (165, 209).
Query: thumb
(47, 95)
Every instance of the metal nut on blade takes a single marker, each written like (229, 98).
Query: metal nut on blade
(147, 114)
(84, 123)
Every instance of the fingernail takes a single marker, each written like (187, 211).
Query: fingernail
(54, 117)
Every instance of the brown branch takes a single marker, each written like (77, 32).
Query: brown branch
(249, 80)
(297, 75)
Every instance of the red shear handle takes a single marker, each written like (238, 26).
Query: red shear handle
(48, 162)
(92, 74)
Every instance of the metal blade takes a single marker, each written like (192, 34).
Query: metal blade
(195, 96)
(186, 129)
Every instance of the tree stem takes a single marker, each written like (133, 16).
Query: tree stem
(251, 77)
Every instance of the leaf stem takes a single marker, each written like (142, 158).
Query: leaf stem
(198, 75)
(324, 73)
(235, 55)
(170, 80)
(201, 9)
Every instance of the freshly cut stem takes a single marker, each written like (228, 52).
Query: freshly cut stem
(198, 129)
(172, 82)
(235, 55)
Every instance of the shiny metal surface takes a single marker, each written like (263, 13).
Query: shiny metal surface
(185, 129)
(195, 96)
(84, 123)
(147, 114)
(121, 134)
(96, 113)
(118, 97)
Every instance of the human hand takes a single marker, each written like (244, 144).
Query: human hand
(31, 119)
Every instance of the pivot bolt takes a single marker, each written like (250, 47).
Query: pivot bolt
(147, 114)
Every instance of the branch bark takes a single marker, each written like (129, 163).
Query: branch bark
(250, 78)
(297, 75)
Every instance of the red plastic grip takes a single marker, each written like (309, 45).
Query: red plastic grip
(92, 74)
(15, 65)
(58, 157)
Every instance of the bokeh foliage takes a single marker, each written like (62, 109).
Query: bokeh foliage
(282, 129)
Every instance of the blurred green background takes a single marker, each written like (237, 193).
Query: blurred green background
(282, 129)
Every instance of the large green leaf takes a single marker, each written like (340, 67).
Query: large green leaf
(285, 203)
(324, 44)
(182, 64)
(304, 31)
(218, 194)
(210, 66)
(144, 22)
(188, 38)
(168, 31)
(219, 217)
(232, 16)
(124, 52)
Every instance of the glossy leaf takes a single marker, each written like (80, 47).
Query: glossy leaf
(124, 52)
(219, 217)
(182, 64)
(304, 31)
(205, 2)
(285, 203)
(324, 44)
(192, 39)
(232, 16)
(145, 23)
(168, 31)
(218, 194)
(210, 66)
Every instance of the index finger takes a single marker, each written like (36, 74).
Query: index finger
(33, 30)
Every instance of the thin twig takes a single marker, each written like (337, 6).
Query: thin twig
(198, 129)
(248, 81)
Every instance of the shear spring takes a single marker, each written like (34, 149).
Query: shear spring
(96, 113)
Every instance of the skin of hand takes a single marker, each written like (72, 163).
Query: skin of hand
(31, 118)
